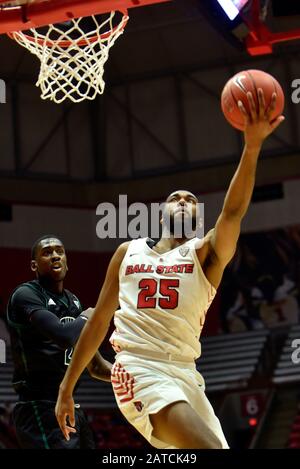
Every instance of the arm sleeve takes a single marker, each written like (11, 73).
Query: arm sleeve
(29, 308)
(64, 335)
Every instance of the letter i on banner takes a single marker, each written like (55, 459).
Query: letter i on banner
(123, 216)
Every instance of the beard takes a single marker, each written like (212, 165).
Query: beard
(181, 226)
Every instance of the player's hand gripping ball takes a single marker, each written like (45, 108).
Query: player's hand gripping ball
(236, 90)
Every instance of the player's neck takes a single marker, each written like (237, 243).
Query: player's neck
(54, 287)
(166, 243)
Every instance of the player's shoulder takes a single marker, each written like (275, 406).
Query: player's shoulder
(122, 248)
(201, 243)
(126, 248)
(119, 254)
(137, 243)
(73, 300)
(203, 246)
(208, 237)
(71, 294)
(26, 288)
(27, 291)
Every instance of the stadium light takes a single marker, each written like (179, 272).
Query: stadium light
(230, 9)
(252, 422)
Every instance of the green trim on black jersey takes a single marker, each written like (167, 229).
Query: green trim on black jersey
(40, 424)
(40, 291)
(49, 295)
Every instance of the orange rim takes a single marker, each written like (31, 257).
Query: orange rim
(81, 42)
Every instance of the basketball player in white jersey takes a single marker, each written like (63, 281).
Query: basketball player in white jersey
(164, 291)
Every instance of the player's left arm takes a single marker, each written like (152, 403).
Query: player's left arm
(99, 368)
(222, 240)
(89, 341)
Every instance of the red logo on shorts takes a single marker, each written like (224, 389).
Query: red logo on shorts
(122, 383)
(139, 406)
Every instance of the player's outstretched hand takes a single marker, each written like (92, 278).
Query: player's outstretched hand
(258, 122)
(64, 410)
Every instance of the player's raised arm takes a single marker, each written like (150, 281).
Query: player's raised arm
(223, 238)
(91, 338)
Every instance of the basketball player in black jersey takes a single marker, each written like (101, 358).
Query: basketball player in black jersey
(45, 321)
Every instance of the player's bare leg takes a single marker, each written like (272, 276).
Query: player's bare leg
(179, 425)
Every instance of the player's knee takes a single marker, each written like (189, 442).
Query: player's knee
(218, 443)
(213, 442)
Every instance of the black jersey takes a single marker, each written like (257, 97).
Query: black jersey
(40, 363)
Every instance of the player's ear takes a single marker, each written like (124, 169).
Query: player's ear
(33, 265)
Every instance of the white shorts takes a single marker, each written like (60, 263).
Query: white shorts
(144, 386)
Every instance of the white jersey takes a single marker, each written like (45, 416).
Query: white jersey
(163, 301)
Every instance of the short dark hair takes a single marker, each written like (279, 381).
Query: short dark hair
(182, 190)
(38, 241)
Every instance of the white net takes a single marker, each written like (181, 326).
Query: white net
(72, 59)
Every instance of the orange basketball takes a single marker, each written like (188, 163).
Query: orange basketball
(236, 90)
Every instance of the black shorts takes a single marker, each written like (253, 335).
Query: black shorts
(36, 427)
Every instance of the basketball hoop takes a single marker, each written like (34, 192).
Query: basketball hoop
(72, 55)
(72, 58)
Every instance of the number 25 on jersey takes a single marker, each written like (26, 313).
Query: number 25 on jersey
(167, 289)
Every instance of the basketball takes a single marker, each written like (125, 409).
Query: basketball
(236, 90)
